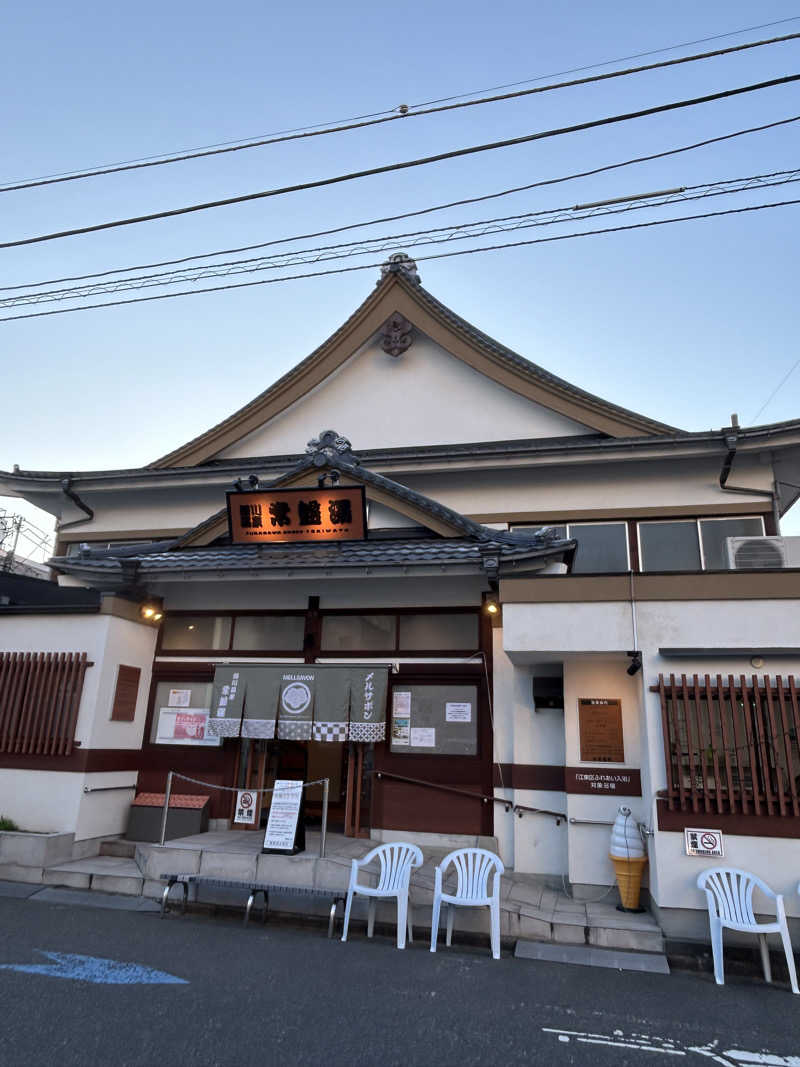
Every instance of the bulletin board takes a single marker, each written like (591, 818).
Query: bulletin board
(434, 720)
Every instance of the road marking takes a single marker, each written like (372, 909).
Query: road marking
(94, 969)
(652, 1043)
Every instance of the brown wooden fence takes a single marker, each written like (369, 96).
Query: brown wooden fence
(40, 693)
(731, 744)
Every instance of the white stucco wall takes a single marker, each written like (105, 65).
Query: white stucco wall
(55, 800)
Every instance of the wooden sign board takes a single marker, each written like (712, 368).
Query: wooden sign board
(600, 728)
(597, 781)
(264, 517)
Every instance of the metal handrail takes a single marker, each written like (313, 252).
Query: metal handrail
(509, 805)
(324, 782)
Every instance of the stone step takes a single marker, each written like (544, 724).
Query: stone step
(117, 847)
(108, 874)
(588, 956)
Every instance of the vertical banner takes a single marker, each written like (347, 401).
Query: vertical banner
(225, 716)
(296, 703)
(368, 703)
(331, 706)
(261, 705)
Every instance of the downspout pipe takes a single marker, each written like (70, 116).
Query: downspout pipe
(731, 439)
(69, 492)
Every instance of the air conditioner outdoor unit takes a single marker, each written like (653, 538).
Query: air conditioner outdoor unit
(762, 553)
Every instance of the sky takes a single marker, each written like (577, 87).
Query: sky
(686, 323)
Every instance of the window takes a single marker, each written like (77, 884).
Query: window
(602, 546)
(195, 632)
(692, 544)
(180, 714)
(264, 632)
(358, 633)
(438, 633)
(669, 546)
(713, 533)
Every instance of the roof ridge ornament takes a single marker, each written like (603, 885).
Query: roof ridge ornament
(329, 447)
(401, 263)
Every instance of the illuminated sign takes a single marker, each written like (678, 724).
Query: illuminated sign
(262, 517)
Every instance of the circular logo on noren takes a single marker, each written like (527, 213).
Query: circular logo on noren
(295, 698)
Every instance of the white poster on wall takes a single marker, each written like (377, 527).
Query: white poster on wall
(283, 814)
(423, 737)
(179, 698)
(184, 727)
(454, 712)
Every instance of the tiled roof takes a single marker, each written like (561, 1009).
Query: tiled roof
(332, 554)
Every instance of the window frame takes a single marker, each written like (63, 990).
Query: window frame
(697, 520)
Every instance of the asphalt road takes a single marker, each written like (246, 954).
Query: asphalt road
(285, 994)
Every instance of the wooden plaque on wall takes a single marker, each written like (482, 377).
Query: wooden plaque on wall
(600, 727)
(126, 694)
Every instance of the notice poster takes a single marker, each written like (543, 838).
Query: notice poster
(245, 807)
(401, 718)
(423, 737)
(190, 727)
(283, 814)
(458, 712)
(179, 698)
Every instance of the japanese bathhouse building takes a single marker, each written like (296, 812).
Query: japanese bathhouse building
(481, 601)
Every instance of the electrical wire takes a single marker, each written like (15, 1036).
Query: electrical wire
(423, 161)
(387, 111)
(437, 235)
(403, 114)
(411, 214)
(776, 390)
(420, 259)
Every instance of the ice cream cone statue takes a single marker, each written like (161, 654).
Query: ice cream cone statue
(628, 856)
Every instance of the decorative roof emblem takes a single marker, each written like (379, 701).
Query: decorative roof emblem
(400, 263)
(330, 446)
(397, 335)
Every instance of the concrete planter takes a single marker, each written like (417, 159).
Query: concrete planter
(35, 850)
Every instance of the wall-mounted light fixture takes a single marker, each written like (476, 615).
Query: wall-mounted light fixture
(635, 664)
(492, 608)
(151, 611)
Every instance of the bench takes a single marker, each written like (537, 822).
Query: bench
(253, 889)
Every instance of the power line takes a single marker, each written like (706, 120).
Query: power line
(403, 113)
(423, 161)
(419, 259)
(400, 113)
(610, 62)
(411, 214)
(436, 235)
(776, 390)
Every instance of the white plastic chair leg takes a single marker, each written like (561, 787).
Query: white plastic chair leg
(762, 941)
(402, 920)
(346, 921)
(371, 917)
(494, 918)
(787, 948)
(437, 904)
(716, 950)
(410, 926)
(451, 914)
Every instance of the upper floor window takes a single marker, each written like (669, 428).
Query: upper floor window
(602, 546)
(692, 544)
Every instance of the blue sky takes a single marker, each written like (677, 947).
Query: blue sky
(686, 323)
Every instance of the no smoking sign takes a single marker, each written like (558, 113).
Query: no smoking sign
(245, 807)
(703, 842)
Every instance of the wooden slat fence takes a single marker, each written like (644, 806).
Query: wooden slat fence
(731, 744)
(40, 694)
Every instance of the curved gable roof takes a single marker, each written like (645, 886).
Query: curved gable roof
(397, 293)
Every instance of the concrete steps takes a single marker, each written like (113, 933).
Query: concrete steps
(116, 846)
(108, 874)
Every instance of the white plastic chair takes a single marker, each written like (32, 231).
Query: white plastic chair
(473, 867)
(729, 892)
(397, 860)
